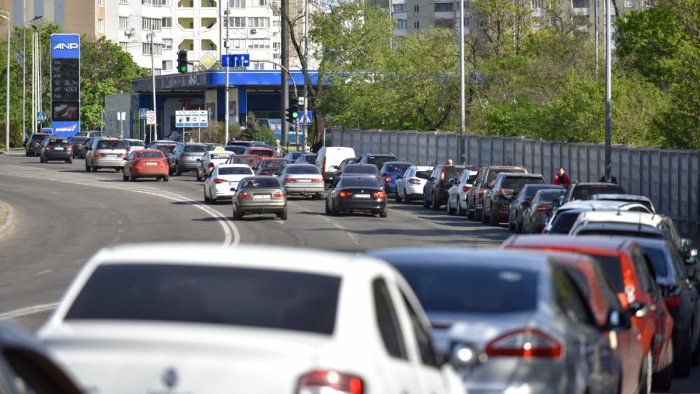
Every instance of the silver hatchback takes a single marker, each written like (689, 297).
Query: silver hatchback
(105, 153)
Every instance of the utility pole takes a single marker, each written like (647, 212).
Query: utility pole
(462, 156)
(284, 75)
(608, 96)
(306, 63)
(154, 133)
(228, 65)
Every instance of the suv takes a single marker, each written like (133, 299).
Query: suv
(56, 148)
(500, 194)
(376, 158)
(390, 170)
(475, 195)
(185, 157)
(105, 152)
(34, 142)
(586, 190)
(435, 190)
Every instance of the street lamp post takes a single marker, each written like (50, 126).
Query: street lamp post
(24, 74)
(6, 15)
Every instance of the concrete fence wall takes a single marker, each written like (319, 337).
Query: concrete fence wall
(671, 178)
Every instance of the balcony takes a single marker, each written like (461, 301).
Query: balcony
(208, 23)
(209, 4)
(185, 4)
(187, 45)
(208, 45)
(186, 23)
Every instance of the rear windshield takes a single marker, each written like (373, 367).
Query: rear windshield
(358, 182)
(149, 155)
(563, 222)
(379, 160)
(357, 169)
(585, 192)
(530, 191)
(58, 141)
(310, 159)
(611, 265)
(549, 195)
(495, 171)
(110, 144)
(624, 233)
(251, 161)
(261, 152)
(472, 289)
(265, 182)
(37, 136)
(423, 174)
(303, 169)
(219, 155)
(399, 168)
(235, 171)
(136, 143)
(452, 172)
(236, 149)
(517, 183)
(196, 148)
(274, 163)
(213, 295)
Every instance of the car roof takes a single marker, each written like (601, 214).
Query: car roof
(556, 241)
(233, 165)
(597, 205)
(625, 217)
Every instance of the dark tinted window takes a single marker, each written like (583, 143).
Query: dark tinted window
(547, 196)
(398, 167)
(135, 143)
(387, 321)
(58, 141)
(217, 295)
(472, 289)
(261, 152)
(149, 155)
(495, 171)
(219, 156)
(569, 299)
(303, 169)
(263, 182)
(196, 148)
(235, 171)
(584, 192)
(611, 265)
(360, 169)
(517, 183)
(452, 172)
(423, 174)
(428, 354)
(368, 182)
(110, 144)
(237, 149)
(562, 222)
(310, 159)
(379, 160)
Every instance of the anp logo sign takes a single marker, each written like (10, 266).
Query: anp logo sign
(65, 46)
(69, 46)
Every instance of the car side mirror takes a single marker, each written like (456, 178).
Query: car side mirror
(618, 321)
(451, 181)
(639, 309)
(462, 355)
(691, 259)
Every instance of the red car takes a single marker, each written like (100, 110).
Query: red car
(146, 163)
(632, 277)
(263, 153)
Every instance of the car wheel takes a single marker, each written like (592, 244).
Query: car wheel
(519, 225)
(328, 210)
(206, 198)
(384, 213)
(645, 374)
(681, 362)
(406, 197)
(87, 167)
(178, 169)
(470, 212)
(124, 176)
(69, 161)
(397, 198)
(166, 178)
(661, 380)
(334, 210)
(484, 218)
(448, 208)
(237, 215)
(93, 168)
(132, 178)
(199, 178)
(493, 218)
(283, 214)
(426, 204)
(41, 159)
(460, 210)
(435, 203)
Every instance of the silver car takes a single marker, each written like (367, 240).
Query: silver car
(511, 321)
(186, 157)
(409, 185)
(457, 195)
(105, 153)
(302, 179)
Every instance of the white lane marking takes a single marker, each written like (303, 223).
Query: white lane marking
(43, 272)
(28, 311)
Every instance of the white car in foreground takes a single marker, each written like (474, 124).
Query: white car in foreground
(201, 318)
(223, 181)
(409, 185)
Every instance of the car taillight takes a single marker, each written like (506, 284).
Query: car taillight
(482, 190)
(673, 302)
(317, 180)
(264, 173)
(290, 180)
(442, 175)
(505, 192)
(99, 154)
(279, 194)
(182, 155)
(344, 194)
(466, 188)
(526, 201)
(545, 231)
(48, 147)
(387, 179)
(219, 180)
(244, 195)
(69, 147)
(414, 181)
(379, 195)
(329, 381)
(543, 208)
(440, 325)
(210, 165)
(525, 343)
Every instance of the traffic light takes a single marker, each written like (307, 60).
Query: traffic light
(182, 61)
(292, 113)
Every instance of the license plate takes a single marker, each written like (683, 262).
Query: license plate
(304, 180)
(361, 195)
(151, 163)
(261, 197)
(111, 156)
(232, 183)
(59, 148)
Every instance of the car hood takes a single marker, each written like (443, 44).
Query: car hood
(110, 357)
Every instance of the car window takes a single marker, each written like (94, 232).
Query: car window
(585, 192)
(368, 182)
(149, 155)
(397, 167)
(612, 266)
(658, 258)
(518, 183)
(261, 152)
(235, 171)
(646, 276)
(388, 321)
(569, 300)
(548, 196)
(379, 160)
(428, 354)
(58, 141)
(303, 169)
(563, 221)
(262, 182)
(495, 171)
(422, 174)
(110, 144)
(136, 143)
(195, 148)
(452, 172)
(213, 295)
(472, 289)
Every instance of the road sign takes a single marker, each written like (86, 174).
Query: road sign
(196, 118)
(142, 113)
(151, 117)
(306, 120)
(242, 60)
(41, 116)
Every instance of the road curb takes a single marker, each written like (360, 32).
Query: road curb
(6, 218)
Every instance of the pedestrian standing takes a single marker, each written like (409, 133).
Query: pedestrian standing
(449, 162)
(561, 178)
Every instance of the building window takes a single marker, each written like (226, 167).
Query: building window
(401, 24)
(124, 46)
(275, 23)
(123, 22)
(416, 25)
(260, 3)
(258, 43)
(161, 2)
(276, 56)
(445, 23)
(123, 1)
(167, 43)
(275, 45)
(258, 22)
(100, 25)
(167, 22)
(146, 2)
(157, 48)
(258, 65)
(100, 3)
(151, 24)
(237, 3)
(400, 7)
(157, 71)
(629, 3)
(416, 8)
(167, 65)
(443, 7)
(237, 44)
(237, 21)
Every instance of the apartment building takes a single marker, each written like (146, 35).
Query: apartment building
(75, 16)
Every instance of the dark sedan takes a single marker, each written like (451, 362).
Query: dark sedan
(77, 142)
(522, 202)
(56, 148)
(357, 193)
(536, 216)
(359, 169)
(272, 166)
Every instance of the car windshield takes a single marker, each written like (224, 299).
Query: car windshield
(262, 182)
(368, 182)
(214, 295)
(237, 149)
(379, 160)
(517, 183)
(472, 289)
(563, 222)
(235, 171)
(196, 148)
(219, 155)
(149, 155)
(360, 169)
(452, 172)
(273, 163)
(114, 144)
(303, 169)
(423, 174)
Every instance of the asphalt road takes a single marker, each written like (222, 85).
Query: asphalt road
(63, 215)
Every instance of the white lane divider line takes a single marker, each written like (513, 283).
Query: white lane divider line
(30, 310)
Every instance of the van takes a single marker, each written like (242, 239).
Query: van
(328, 159)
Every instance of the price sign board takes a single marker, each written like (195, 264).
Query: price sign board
(65, 83)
